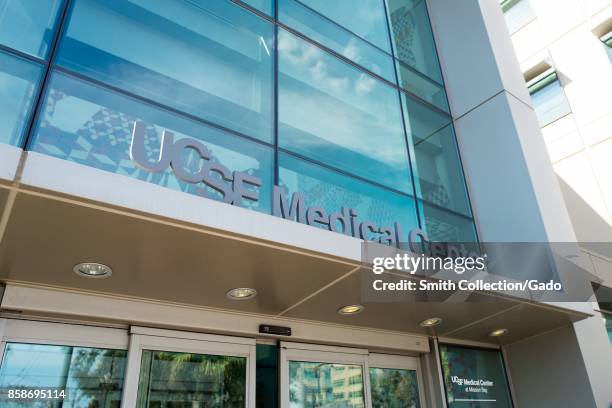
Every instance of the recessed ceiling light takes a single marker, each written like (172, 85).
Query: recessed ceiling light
(241, 293)
(433, 321)
(351, 309)
(92, 270)
(499, 332)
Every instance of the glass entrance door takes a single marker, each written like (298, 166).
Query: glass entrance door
(169, 369)
(56, 365)
(338, 377)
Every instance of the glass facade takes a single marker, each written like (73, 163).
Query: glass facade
(345, 105)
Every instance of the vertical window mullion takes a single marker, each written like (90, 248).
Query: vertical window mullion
(60, 26)
(275, 110)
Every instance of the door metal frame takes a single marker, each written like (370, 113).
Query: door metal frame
(27, 331)
(60, 334)
(344, 355)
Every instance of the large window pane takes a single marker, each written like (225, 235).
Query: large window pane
(421, 120)
(170, 379)
(474, 378)
(424, 88)
(367, 20)
(322, 30)
(394, 388)
(413, 41)
(212, 59)
(19, 80)
(331, 191)
(336, 114)
(438, 170)
(91, 377)
(93, 126)
(314, 385)
(548, 99)
(28, 25)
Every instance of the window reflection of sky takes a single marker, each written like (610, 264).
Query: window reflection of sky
(26, 25)
(17, 91)
(331, 111)
(88, 376)
(212, 60)
(368, 20)
(309, 22)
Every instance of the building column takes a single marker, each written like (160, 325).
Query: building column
(513, 189)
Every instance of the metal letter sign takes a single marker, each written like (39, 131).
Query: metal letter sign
(236, 186)
(233, 186)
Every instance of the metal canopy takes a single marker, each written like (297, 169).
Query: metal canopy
(156, 258)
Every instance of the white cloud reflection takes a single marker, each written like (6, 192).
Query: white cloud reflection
(346, 109)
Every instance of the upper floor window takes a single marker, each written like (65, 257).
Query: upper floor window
(517, 14)
(608, 321)
(607, 40)
(548, 98)
(603, 294)
(28, 26)
(601, 27)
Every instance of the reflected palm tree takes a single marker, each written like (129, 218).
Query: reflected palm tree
(95, 378)
(173, 380)
(394, 388)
